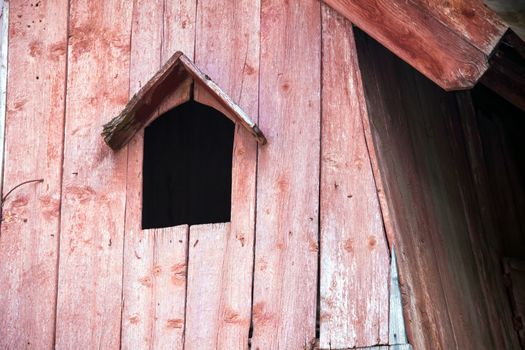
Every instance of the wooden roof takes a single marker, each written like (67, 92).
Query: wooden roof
(174, 75)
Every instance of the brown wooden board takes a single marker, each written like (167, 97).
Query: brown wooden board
(94, 179)
(355, 260)
(157, 32)
(430, 194)
(285, 285)
(34, 134)
(235, 67)
(416, 36)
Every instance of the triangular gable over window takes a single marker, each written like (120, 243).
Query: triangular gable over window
(177, 74)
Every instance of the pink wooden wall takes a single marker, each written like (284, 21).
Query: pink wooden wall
(76, 269)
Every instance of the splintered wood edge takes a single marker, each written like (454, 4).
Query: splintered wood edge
(120, 130)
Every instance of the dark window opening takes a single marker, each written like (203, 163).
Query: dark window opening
(187, 168)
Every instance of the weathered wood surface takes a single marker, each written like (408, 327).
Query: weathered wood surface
(154, 292)
(419, 141)
(354, 252)
(471, 20)
(34, 134)
(94, 180)
(415, 35)
(284, 307)
(235, 67)
(157, 32)
(207, 245)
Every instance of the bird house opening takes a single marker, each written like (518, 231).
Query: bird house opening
(187, 167)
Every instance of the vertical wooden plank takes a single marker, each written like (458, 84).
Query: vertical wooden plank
(354, 251)
(4, 46)
(207, 244)
(33, 138)
(178, 34)
(179, 28)
(155, 289)
(137, 294)
(169, 273)
(159, 29)
(231, 56)
(94, 181)
(285, 281)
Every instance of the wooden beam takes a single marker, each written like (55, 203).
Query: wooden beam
(470, 20)
(420, 34)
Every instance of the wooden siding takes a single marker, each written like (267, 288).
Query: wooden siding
(309, 210)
